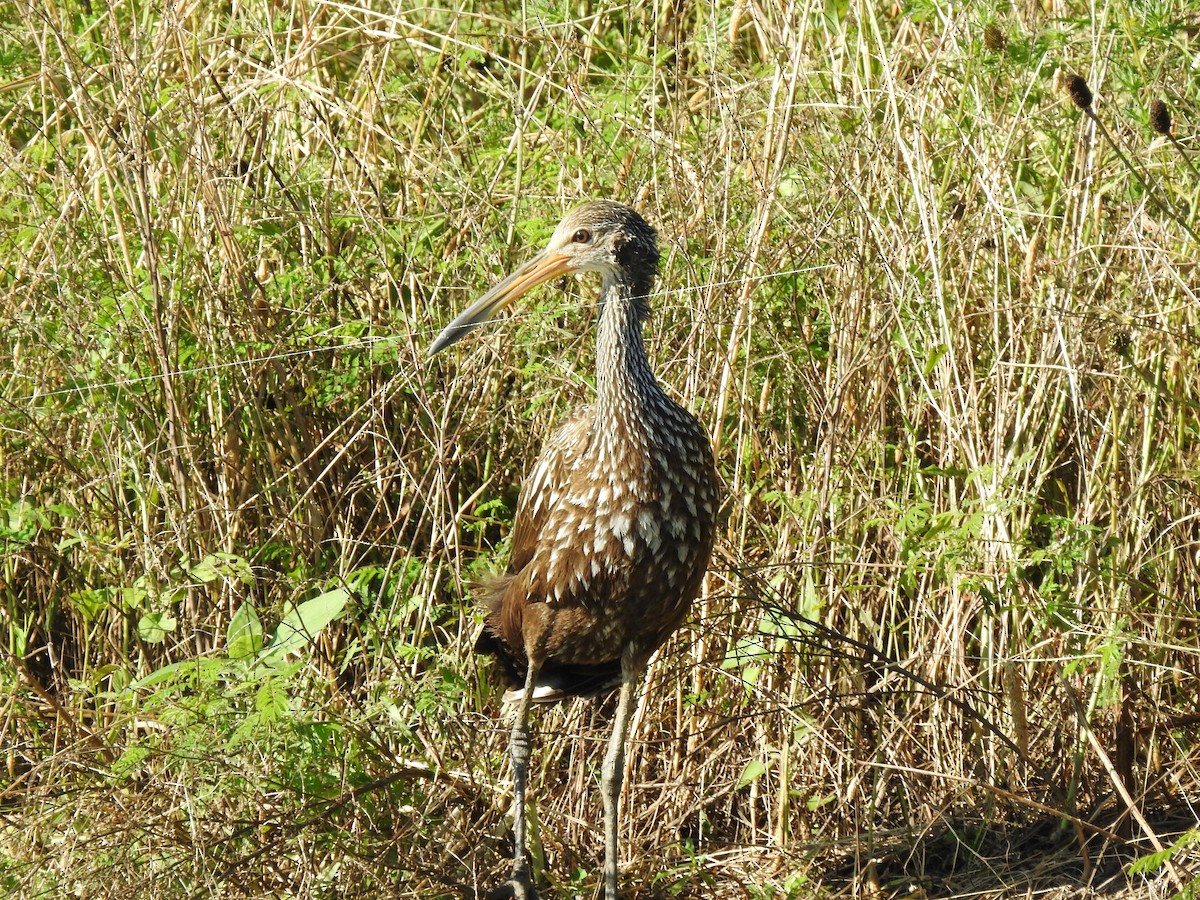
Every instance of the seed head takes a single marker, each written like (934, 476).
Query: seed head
(994, 39)
(1079, 92)
(1160, 118)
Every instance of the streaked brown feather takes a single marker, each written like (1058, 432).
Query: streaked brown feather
(546, 482)
(596, 596)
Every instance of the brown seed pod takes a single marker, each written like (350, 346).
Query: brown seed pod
(994, 39)
(1160, 118)
(1079, 92)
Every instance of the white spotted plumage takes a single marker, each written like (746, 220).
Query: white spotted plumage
(615, 523)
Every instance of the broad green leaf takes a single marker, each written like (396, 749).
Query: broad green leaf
(300, 626)
(89, 602)
(244, 637)
(754, 770)
(154, 627)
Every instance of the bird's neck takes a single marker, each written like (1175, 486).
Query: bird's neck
(625, 385)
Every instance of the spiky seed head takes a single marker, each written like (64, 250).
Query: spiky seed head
(1160, 118)
(994, 39)
(1078, 91)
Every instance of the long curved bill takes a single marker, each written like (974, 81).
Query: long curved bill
(546, 265)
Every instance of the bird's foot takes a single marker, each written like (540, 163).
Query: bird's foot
(516, 888)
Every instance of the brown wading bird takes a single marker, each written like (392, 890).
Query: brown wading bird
(615, 523)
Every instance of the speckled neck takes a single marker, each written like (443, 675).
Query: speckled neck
(625, 385)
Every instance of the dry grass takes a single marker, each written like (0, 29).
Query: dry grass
(940, 322)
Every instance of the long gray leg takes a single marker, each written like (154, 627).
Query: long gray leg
(520, 886)
(611, 776)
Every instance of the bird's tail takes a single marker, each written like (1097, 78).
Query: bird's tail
(556, 681)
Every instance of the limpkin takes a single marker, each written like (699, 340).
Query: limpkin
(614, 524)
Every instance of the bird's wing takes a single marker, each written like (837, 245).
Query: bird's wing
(546, 486)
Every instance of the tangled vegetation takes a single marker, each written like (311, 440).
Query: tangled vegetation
(929, 279)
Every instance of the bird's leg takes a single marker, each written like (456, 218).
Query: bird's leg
(521, 883)
(611, 777)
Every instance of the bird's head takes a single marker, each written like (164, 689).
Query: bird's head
(597, 236)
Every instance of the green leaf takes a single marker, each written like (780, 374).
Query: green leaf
(754, 770)
(244, 637)
(90, 602)
(223, 565)
(816, 801)
(190, 668)
(154, 627)
(934, 357)
(129, 761)
(1152, 862)
(271, 701)
(302, 625)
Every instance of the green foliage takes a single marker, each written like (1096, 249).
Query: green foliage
(1152, 862)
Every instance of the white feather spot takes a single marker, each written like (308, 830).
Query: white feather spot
(620, 522)
(648, 526)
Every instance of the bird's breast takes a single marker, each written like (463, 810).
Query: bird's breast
(633, 524)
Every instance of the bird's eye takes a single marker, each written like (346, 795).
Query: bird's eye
(582, 236)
